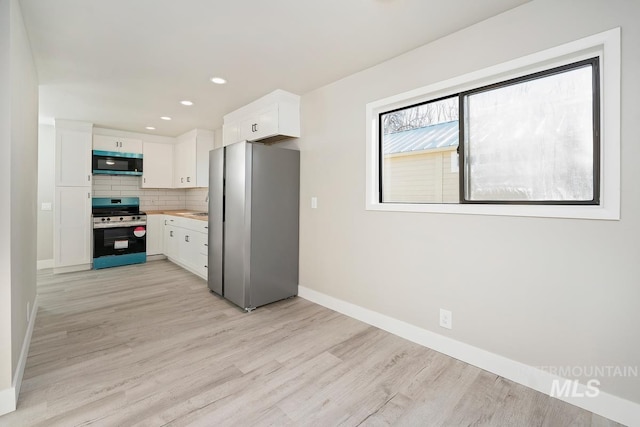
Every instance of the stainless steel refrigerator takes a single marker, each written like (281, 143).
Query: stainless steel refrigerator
(253, 223)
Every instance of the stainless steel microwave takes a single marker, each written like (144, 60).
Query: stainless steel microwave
(115, 163)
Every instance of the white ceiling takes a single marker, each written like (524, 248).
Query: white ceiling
(122, 64)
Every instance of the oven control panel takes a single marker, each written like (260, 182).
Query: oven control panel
(119, 221)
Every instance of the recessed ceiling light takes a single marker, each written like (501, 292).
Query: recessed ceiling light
(150, 128)
(165, 118)
(187, 103)
(218, 80)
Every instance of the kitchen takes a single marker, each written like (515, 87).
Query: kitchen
(397, 270)
(135, 219)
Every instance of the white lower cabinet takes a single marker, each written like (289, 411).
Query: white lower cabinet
(72, 239)
(184, 242)
(171, 241)
(155, 234)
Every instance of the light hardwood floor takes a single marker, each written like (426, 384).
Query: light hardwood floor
(148, 345)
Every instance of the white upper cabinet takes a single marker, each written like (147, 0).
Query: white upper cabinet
(262, 125)
(157, 165)
(117, 144)
(273, 117)
(191, 159)
(73, 154)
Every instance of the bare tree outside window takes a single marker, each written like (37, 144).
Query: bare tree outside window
(432, 113)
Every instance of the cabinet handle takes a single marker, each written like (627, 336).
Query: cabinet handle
(181, 180)
(170, 233)
(206, 244)
(88, 177)
(206, 266)
(186, 238)
(188, 179)
(144, 180)
(88, 195)
(254, 127)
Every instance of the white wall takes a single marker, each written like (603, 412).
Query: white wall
(5, 194)
(543, 292)
(18, 188)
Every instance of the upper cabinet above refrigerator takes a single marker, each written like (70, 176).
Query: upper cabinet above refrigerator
(273, 117)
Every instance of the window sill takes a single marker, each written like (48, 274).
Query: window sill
(547, 211)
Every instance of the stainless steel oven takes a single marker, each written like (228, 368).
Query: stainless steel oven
(119, 232)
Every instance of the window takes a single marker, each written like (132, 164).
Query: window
(419, 153)
(538, 136)
(533, 139)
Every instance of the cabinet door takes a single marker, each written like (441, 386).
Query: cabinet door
(203, 146)
(130, 145)
(171, 241)
(73, 158)
(155, 234)
(185, 164)
(230, 133)
(189, 248)
(105, 143)
(190, 251)
(262, 124)
(118, 144)
(157, 165)
(72, 230)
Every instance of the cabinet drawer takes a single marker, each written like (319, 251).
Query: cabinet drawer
(203, 268)
(204, 243)
(195, 225)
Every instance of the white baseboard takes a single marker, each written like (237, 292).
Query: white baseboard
(9, 396)
(604, 404)
(45, 263)
(7, 400)
(22, 362)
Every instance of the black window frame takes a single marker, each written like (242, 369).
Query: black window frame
(381, 147)
(594, 63)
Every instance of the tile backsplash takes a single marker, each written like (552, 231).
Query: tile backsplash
(197, 199)
(150, 198)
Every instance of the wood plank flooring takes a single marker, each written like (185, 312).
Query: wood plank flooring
(148, 345)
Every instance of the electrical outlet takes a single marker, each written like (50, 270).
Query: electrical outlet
(28, 311)
(446, 318)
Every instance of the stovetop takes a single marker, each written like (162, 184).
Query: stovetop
(111, 212)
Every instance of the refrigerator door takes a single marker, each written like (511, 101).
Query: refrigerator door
(275, 188)
(216, 217)
(237, 223)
